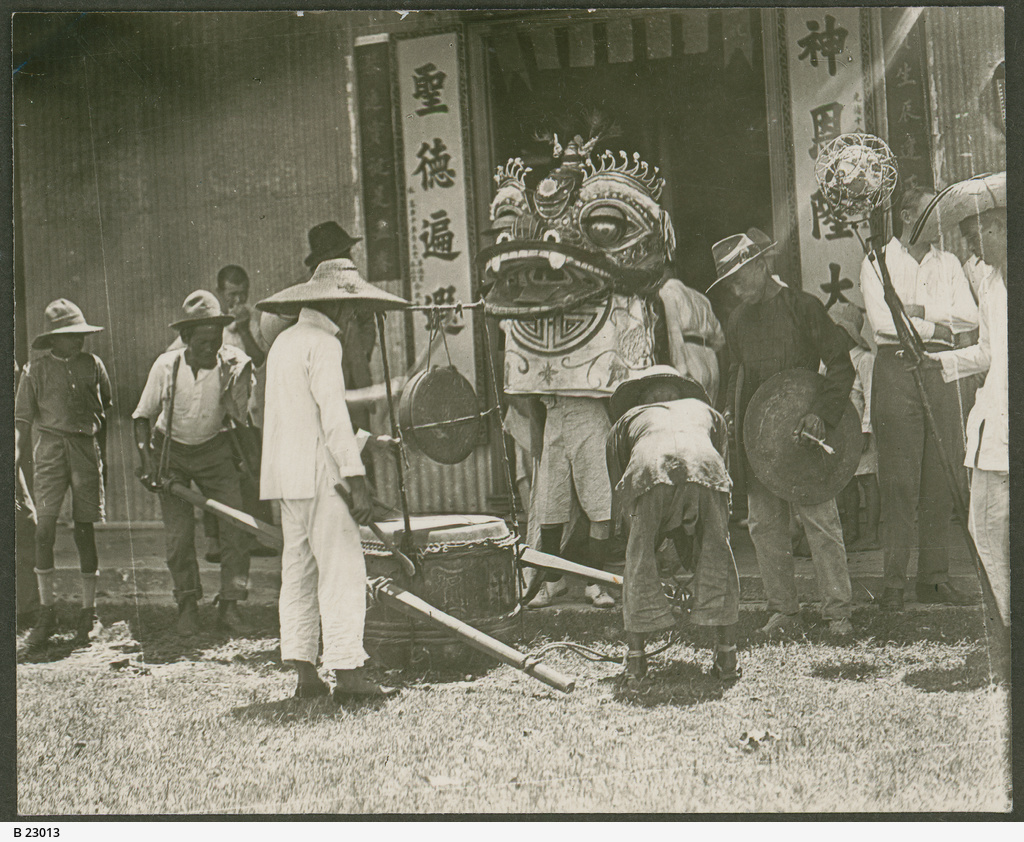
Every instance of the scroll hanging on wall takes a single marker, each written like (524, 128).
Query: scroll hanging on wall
(827, 93)
(438, 233)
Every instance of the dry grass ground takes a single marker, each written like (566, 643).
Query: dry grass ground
(900, 719)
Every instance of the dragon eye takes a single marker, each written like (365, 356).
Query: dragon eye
(605, 225)
(612, 225)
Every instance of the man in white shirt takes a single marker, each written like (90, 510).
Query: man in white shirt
(191, 392)
(691, 334)
(309, 448)
(988, 452)
(937, 297)
(245, 332)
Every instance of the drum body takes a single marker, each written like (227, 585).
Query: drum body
(467, 569)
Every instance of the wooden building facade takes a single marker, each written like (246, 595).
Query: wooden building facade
(153, 148)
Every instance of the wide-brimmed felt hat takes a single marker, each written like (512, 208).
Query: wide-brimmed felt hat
(63, 317)
(851, 319)
(327, 241)
(737, 251)
(201, 308)
(333, 280)
(627, 393)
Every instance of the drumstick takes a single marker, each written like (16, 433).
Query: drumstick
(405, 561)
(828, 449)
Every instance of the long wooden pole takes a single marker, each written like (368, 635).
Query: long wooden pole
(395, 434)
(391, 594)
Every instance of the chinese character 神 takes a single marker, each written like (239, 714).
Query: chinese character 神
(827, 121)
(428, 83)
(837, 224)
(836, 286)
(436, 238)
(433, 169)
(829, 43)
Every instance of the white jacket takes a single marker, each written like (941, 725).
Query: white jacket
(306, 412)
(988, 426)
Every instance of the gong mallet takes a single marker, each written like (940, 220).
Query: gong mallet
(872, 163)
(826, 447)
(389, 593)
(407, 565)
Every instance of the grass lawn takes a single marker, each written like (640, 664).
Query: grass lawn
(901, 718)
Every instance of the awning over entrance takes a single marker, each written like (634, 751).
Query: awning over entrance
(586, 40)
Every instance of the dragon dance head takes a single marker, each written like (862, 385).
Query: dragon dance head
(591, 227)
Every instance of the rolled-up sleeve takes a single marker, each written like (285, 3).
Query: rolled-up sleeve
(25, 406)
(328, 389)
(152, 395)
(879, 316)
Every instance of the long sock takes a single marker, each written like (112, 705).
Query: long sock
(89, 590)
(45, 580)
(551, 542)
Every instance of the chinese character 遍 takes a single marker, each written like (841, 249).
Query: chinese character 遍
(436, 238)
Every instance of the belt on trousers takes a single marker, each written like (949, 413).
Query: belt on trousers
(695, 339)
(930, 347)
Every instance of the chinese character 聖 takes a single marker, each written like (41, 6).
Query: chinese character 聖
(436, 238)
(434, 168)
(829, 43)
(428, 83)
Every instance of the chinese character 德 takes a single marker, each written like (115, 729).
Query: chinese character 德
(436, 238)
(428, 83)
(836, 222)
(827, 121)
(829, 43)
(433, 169)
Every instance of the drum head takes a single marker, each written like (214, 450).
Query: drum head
(439, 415)
(792, 471)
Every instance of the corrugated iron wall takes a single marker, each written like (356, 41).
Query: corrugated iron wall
(154, 149)
(964, 45)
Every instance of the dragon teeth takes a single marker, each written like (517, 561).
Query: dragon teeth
(556, 260)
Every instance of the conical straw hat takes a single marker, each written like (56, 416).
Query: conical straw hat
(333, 280)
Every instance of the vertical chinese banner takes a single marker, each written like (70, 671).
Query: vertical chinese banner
(827, 95)
(379, 170)
(906, 102)
(431, 118)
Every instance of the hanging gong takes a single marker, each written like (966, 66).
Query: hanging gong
(798, 472)
(439, 415)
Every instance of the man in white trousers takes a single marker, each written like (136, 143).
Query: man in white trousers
(309, 447)
(988, 449)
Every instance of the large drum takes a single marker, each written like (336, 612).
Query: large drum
(467, 569)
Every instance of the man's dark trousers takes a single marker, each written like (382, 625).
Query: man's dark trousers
(211, 467)
(910, 475)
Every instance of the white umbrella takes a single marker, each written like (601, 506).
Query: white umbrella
(958, 202)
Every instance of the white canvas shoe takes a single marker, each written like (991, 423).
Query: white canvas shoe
(599, 597)
(547, 594)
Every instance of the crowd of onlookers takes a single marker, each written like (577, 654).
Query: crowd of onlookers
(200, 416)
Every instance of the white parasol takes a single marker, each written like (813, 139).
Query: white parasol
(959, 202)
